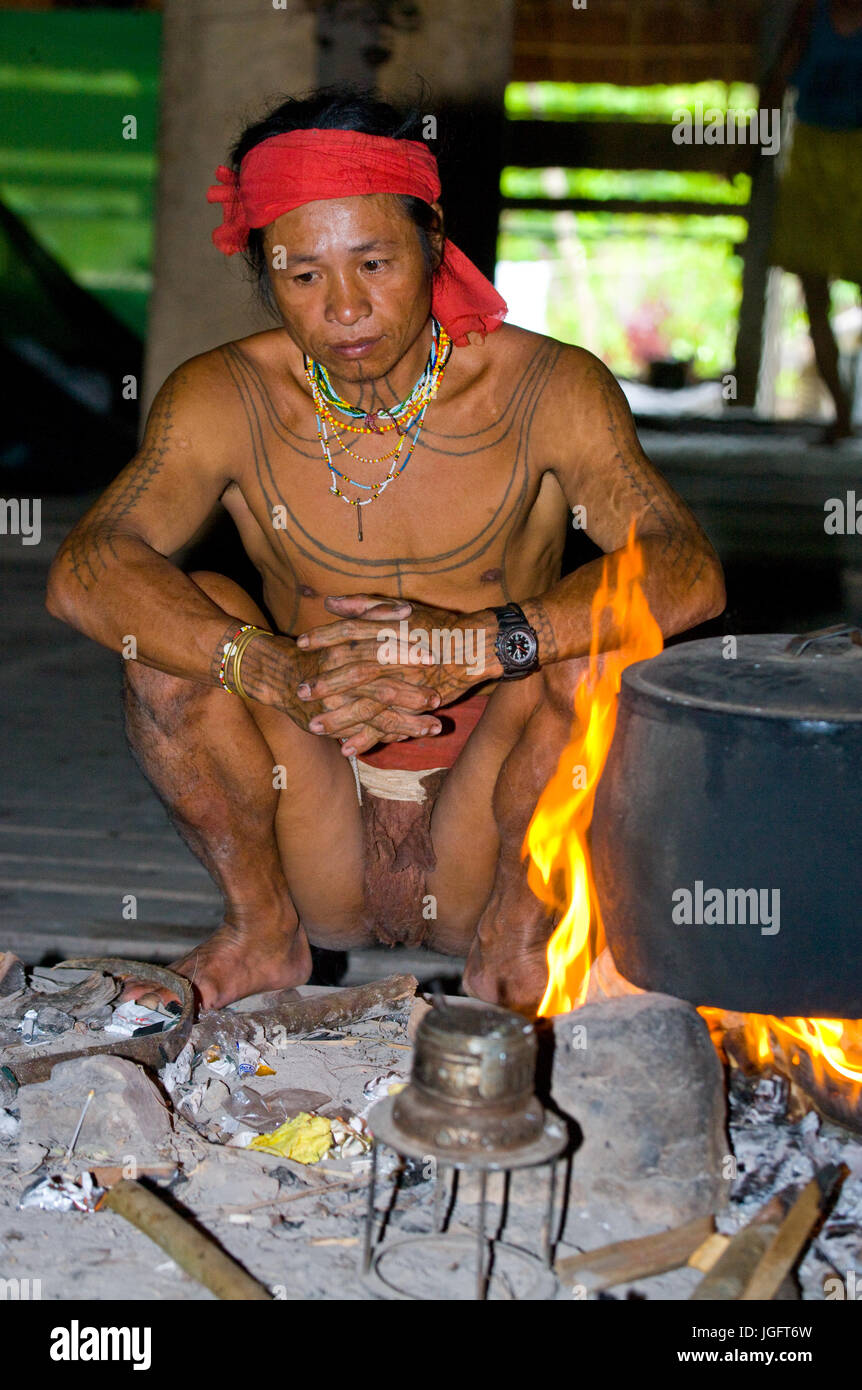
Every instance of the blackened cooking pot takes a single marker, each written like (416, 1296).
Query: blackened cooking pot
(727, 834)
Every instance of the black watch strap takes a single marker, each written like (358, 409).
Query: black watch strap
(517, 643)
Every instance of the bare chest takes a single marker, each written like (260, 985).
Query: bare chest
(469, 519)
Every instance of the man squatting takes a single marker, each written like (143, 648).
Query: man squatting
(390, 379)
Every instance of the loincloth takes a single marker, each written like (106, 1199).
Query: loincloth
(398, 785)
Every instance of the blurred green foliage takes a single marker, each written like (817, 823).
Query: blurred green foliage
(601, 101)
(67, 81)
(631, 286)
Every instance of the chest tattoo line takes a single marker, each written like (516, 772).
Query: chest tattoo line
(260, 412)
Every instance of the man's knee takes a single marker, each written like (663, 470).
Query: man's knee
(166, 699)
(162, 699)
(529, 766)
(559, 680)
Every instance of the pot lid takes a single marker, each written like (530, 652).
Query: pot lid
(815, 676)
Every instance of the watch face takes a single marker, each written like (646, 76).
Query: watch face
(519, 648)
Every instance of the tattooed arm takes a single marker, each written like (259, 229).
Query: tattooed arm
(594, 451)
(111, 578)
(585, 431)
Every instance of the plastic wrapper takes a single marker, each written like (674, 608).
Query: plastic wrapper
(241, 1059)
(389, 1084)
(179, 1071)
(131, 1018)
(189, 1098)
(54, 1020)
(262, 1113)
(305, 1138)
(60, 1193)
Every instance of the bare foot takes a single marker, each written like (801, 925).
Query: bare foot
(233, 963)
(516, 982)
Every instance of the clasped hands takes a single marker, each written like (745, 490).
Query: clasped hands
(352, 687)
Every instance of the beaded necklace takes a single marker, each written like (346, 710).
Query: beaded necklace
(403, 417)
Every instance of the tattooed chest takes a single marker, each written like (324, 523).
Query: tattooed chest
(449, 526)
(440, 535)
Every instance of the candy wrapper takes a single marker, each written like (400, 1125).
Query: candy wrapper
(63, 1194)
(244, 1060)
(389, 1084)
(305, 1138)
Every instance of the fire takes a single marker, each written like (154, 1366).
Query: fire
(560, 870)
(833, 1045)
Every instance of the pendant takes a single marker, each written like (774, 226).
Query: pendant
(371, 422)
(359, 522)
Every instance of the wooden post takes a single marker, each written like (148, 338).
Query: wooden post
(464, 54)
(222, 61)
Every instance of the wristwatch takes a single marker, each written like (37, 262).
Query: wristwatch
(516, 644)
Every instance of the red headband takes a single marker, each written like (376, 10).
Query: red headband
(306, 166)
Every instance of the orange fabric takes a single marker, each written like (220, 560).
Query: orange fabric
(439, 750)
(307, 166)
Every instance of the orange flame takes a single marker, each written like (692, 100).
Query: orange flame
(560, 870)
(833, 1045)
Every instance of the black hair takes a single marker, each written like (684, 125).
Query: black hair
(338, 108)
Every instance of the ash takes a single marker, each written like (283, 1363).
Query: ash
(773, 1151)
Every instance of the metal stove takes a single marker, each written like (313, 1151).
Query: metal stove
(469, 1105)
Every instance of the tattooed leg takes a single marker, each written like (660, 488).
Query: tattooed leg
(486, 911)
(214, 767)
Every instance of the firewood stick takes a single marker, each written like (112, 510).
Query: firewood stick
(750, 1250)
(302, 1015)
(196, 1253)
(108, 1175)
(728, 1276)
(783, 1250)
(640, 1258)
(705, 1256)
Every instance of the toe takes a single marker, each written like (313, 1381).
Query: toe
(139, 992)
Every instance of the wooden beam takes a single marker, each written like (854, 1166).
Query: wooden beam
(614, 145)
(551, 48)
(654, 206)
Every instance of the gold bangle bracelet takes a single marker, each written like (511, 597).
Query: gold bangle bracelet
(229, 650)
(239, 653)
